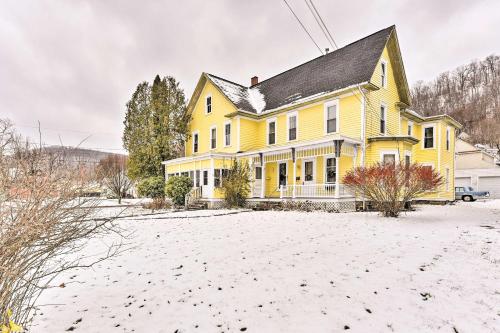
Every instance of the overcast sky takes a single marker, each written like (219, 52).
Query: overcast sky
(73, 65)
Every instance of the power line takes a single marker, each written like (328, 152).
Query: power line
(303, 27)
(319, 16)
(319, 23)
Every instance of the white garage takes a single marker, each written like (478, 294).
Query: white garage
(462, 181)
(480, 180)
(491, 184)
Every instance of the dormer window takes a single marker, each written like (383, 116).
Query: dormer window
(208, 105)
(383, 73)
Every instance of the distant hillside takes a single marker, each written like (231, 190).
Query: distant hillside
(79, 155)
(470, 94)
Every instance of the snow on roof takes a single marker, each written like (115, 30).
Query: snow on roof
(256, 98)
(248, 99)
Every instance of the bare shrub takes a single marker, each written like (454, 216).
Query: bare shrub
(390, 186)
(43, 223)
(236, 186)
(112, 171)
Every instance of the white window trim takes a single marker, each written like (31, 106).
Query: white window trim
(303, 175)
(211, 104)
(433, 136)
(228, 122)
(448, 138)
(278, 172)
(325, 116)
(394, 152)
(384, 82)
(210, 144)
(383, 105)
(192, 145)
(268, 121)
(288, 116)
(410, 125)
(324, 167)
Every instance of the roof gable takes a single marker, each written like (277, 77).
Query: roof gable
(349, 66)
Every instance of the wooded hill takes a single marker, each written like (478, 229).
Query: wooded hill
(470, 94)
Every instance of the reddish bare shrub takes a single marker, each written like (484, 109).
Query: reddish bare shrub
(390, 186)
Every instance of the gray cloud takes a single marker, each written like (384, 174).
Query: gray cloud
(74, 64)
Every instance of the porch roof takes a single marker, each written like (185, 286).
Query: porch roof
(302, 144)
(399, 138)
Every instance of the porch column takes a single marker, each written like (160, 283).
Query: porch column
(338, 150)
(294, 172)
(263, 180)
(337, 178)
(211, 185)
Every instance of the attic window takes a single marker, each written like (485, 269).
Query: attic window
(383, 73)
(208, 107)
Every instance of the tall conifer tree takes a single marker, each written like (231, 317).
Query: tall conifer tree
(155, 126)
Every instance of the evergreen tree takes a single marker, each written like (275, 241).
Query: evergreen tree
(155, 126)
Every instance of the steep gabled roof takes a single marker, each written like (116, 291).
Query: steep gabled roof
(348, 66)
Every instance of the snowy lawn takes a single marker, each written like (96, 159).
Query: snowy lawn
(433, 270)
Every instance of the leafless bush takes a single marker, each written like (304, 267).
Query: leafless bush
(43, 223)
(391, 186)
(112, 170)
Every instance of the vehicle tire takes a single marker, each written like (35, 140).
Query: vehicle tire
(467, 198)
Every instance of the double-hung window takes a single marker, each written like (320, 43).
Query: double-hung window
(447, 138)
(292, 127)
(195, 142)
(217, 178)
(383, 116)
(331, 171)
(271, 132)
(429, 137)
(410, 128)
(208, 105)
(213, 138)
(331, 118)
(383, 74)
(258, 172)
(227, 134)
(389, 159)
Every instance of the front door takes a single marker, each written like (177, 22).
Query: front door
(282, 174)
(308, 172)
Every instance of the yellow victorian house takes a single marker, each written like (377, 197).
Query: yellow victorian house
(303, 129)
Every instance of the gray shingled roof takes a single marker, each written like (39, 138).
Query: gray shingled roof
(350, 65)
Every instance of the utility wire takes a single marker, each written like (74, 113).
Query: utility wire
(303, 27)
(319, 23)
(328, 31)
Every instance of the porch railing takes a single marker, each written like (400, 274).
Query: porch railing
(312, 191)
(192, 196)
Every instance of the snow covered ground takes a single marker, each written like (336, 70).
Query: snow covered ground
(433, 270)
